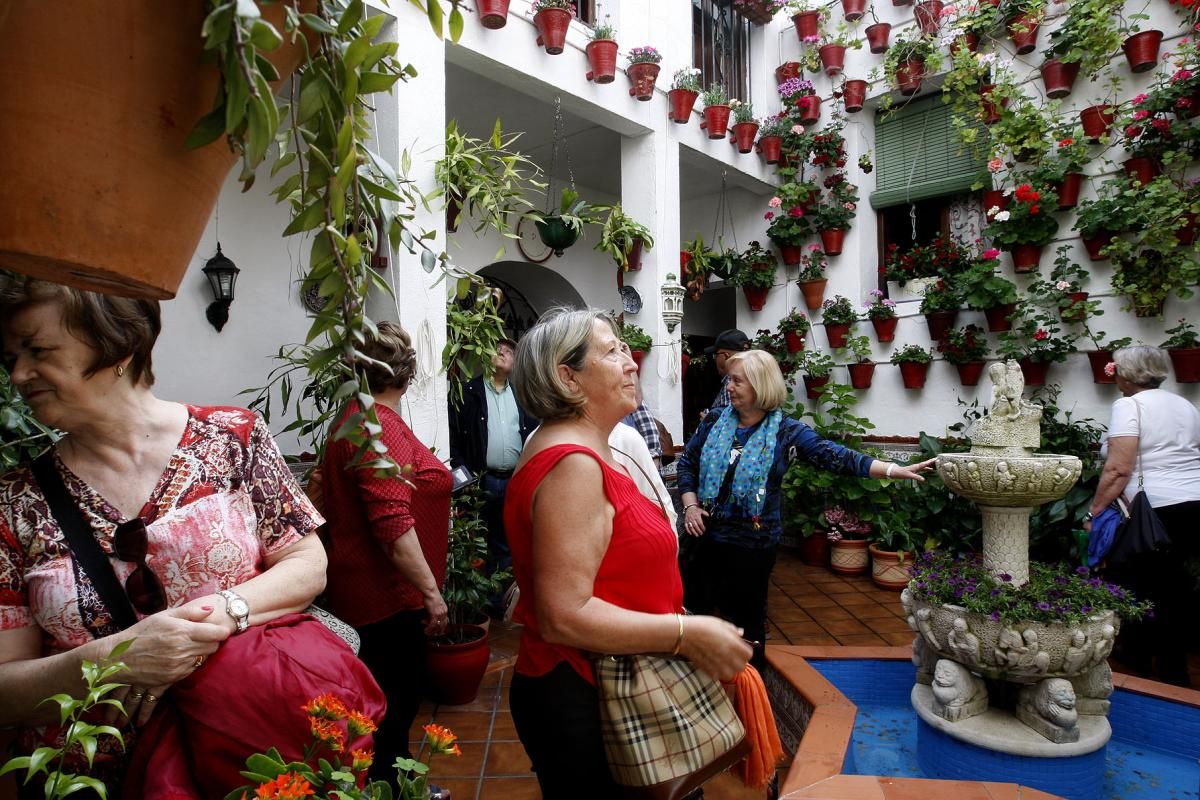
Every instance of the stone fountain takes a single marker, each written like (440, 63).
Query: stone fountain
(992, 696)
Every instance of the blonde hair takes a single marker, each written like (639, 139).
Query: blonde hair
(1143, 364)
(561, 337)
(764, 377)
(393, 347)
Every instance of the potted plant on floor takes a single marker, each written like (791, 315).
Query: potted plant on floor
(487, 178)
(838, 316)
(745, 127)
(794, 326)
(638, 340)
(913, 361)
(847, 534)
(812, 278)
(908, 61)
(602, 53)
(681, 99)
(815, 366)
(1036, 342)
(967, 349)
(940, 306)
(563, 229)
(552, 19)
(623, 238)
(716, 111)
(982, 289)
(1026, 226)
(755, 273)
(859, 363)
(895, 540)
(882, 313)
(643, 71)
(1183, 346)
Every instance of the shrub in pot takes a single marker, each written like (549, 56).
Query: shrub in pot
(643, 71)
(838, 316)
(716, 111)
(486, 178)
(681, 99)
(794, 326)
(967, 349)
(815, 366)
(623, 238)
(913, 361)
(907, 62)
(744, 126)
(847, 534)
(638, 340)
(812, 278)
(982, 289)
(562, 229)
(1026, 226)
(1183, 346)
(860, 366)
(882, 313)
(601, 53)
(940, 306)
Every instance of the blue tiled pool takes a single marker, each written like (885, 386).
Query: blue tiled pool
(1152, 755)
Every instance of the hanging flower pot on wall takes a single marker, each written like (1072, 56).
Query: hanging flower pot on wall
(790, 253)
(642, 76)
(877, 37)
(1098, 360)
(1075, 311)
(833, 58)
(968, 373)
(1059, 77)
(602, 57)
(854, 9)
(1094, 244)
(997, 317)
(861, 374)
(1068, 190)
(716, 121)
(885, 329)
(1034, 371)
(769, 147)
(913, 373)
(1186, 361)
(1141, 50)
(814, 292)
(810, 109)
(1026, 257)
(1023, 31)
(837, 332)
(812, 386)
(854, 95)
(786, 70)
(928, 15)
(556, 233)
(493, 14)
(1097, 120)
(1142, 169)
(680, 104)
(552, 25)
(939, 324)
(991, 114)
(756, 296)
(994, 198)
(794, 341)
(638, 356)
(909, 75)
(743, 136)
(968, 40)
(806, 23)
(832, 241)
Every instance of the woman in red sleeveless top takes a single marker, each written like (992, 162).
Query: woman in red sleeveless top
(595, 559)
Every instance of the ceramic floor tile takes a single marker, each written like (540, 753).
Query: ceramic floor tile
(838, 588)
(830, 614)
(899, 639)
(816, 601)
(888, 625)
(873, 611)
(855, 599)
(861, 640)
(460, 788)
(793, 614)
(507, 758)
(844, 627)
(815, 640)
(467, 765)
(469, 726)
(793, 629)
(503, 728)
(509, 789)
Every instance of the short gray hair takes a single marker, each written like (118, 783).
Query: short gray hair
(561, 337)
(764, 376)
(1143, 365)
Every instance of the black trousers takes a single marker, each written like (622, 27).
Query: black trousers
(394, 650)
(494, 488)
(557, 716)
(1162, 578)
(730, 581)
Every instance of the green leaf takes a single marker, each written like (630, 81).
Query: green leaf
(428, 260)
(248, 9)
(456, 24)
(350, 17)
(266, 765)
(313, 216)
(258, 130)
(264, 36)
(317, 24)
(371, 82)
(207, 130)
(435, 16)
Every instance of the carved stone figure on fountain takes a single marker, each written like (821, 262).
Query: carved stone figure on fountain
(1005, 480)
(1048, 707)
(957, 693)
(1079, 653)
(1012, 423)
(1011, 650)
(924, 624)
(1092, 690)
(1104, 646)
(924, 658)
(963, 643)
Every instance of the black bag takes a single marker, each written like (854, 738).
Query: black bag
(1141, 531)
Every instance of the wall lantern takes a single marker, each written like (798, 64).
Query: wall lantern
(222, 276)
(672, 302)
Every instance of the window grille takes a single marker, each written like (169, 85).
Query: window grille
(721, 46)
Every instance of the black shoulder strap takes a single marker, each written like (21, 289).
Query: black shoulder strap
(84, 548)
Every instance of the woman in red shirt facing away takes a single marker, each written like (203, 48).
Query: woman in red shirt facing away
(595, 560)
(387, 547)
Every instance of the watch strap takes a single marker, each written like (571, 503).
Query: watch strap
(242, 620)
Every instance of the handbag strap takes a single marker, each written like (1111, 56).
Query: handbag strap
(84, 548)
(1138, 406)
(645, 475)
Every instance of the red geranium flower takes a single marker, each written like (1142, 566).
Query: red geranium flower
(1040, 335)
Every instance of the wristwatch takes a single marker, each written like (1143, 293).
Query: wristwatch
(1089, 516)
(236, 607)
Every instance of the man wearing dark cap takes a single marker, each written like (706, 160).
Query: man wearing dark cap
(727, 343)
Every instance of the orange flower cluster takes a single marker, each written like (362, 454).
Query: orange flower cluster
(441, 740)
(361, 759)
(360, 724)
(328, 733)
(326, 706)
(288, 786)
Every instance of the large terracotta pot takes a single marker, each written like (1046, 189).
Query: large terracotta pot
(1058, 77)
(1026, 257)
(642, 75)
(1098, 360)
(788, 69)
(889, 569)
(794, 341)
(456, 670)
(810, 109)
(681, 102)
(602, 57)
(769, 148)
(1141, 50)
(814, 292)
(849, 557)
(743, 135)
(885, 329)
(493, 14)
(861, 374)
(854, 95)
(833, 58)
(909, 76)
(1186, 361)
(812, 386)
(97, 101)
(756, 296)
(1023, 31)
(877, 37)
(928, 16)
(837, 332)
(969, 373)
(854, 9)
(832, 241)
(913, 374)
(814, 549)
(716, 121)
(1142, 169)
(1068, 190)
(552, 25)
(997, 317)
(1034, 371)
(806, 23)
(1097, 120)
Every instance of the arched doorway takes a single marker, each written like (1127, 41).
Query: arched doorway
(529, 289)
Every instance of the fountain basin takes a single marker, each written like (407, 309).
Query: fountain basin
(1009, 481)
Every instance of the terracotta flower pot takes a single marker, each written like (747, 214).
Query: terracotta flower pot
(716, 121)
(1073, 312)
(833, 58)
(854, 9)
(552, 25)
(861, 374)
(105, 196)
(638, 356)
(849, 557)
(642, 77)
(1094, 244)
(968, 373)
(837, 332)
(913, 374)
(899, 3)
(1097, 120)
(854, 95)
(909, 76)
(769, 148)
(1058, 77)
(814, 292)
(889, 569)
(832, 240)
(997, 317)
(991, 113)
(1034, 371)
(684, 360)
(968, 40)
(1026, 257)
(743, 136)
(1098, 360)
(457, 669)
(994, 198)
(788, 69)
(814, 549)
(1141, 50)
(877, 37)
(1142, 169)
(634, 259)
(812, 386)
(1023, 31)
(940, 323)
(493, 14)
(794, 341)
(680, 105)
(810, 109)
(756, 297)
(806, 23)
(928, 16)
(453, 211)
(1068, 190)
(790, 253)
(1186, 361)
(602, 57)
(885, 329)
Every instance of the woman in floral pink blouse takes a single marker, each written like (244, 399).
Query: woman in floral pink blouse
(194, 508)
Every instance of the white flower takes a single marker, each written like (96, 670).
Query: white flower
(798, 130)
(993, 211)
(1001, 216)
(987, 58)
(1062, 286)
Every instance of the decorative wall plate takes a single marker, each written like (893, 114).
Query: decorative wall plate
(530, 243)
(310, 296)
(631, 301)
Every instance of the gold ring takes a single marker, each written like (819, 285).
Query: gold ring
(136, 695)
(198, 663)
(151, 698)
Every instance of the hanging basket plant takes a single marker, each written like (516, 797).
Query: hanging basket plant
(1141, 50)
(561, 230)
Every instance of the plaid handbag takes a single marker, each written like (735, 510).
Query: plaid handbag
(667, 726)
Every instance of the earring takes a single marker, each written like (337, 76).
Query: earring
(120, 370)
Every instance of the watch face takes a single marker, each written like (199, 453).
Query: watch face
(239, 607)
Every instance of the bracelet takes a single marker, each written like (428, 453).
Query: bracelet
(690, 505)
(679, 638)
(888, 473)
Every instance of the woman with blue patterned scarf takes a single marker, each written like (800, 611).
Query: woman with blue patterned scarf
(730, 476)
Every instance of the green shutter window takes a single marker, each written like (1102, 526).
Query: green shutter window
(918, 156)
